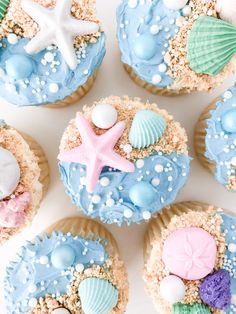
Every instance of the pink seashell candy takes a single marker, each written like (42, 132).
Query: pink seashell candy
(190, 253)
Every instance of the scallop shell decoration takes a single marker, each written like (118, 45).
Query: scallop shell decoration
(211, 45)
(195, 308)
(3, 8)
(97, 296)
(147, 128)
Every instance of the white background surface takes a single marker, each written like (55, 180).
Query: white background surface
(47, 125)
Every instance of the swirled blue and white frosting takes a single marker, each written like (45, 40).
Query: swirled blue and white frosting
(144, 29)
(220, 140)
(47, 266)
(113, 200)
(46, 76)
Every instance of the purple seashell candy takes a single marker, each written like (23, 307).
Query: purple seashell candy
(215, 290)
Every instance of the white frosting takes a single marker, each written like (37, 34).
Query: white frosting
(175, 4)
(9, 173)
(227, 10)
(58, 27)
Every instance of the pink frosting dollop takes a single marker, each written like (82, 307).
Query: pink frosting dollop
(12, 213)
(189, 253)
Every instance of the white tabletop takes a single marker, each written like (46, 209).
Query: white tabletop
(47, 125)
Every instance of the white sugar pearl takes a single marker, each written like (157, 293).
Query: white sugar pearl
(172, 289)
(32, 288)
(146, 215)
(49, 57)
(233, 161)
(61, 310)
(162, 68)
(32, 302)
(155, 182)
(12, 39)
(53, 88)
(232, 247)
(228, 94)
(175, 4)
(156, 79)
(96, 199)
(104, 116)
(127, 148)
(159, 168)
(105, 181)
(154, 29)
(128, 213)
(187, 10)
(43, 260)
(11, 88)
(110, 202)
(132, 3)
(140, 163)
(79, 268)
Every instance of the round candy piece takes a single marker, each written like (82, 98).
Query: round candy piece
(145, 47)
(175, 4)
(228, 121)
(142, 194)
(104, 116)
(189, 253)
(19, 67)
(60, 310)
(9, 173)
(172, 289)
(62, 257)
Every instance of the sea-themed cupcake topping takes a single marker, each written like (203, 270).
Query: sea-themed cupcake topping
(227, 10)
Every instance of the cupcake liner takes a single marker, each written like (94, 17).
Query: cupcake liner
(151, 88)
(86, 228)
(76, 96)
(200, 135)
(42, 161)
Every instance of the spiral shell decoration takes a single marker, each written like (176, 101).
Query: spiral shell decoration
(196, 308)
(211, 45)
(97, 296)
(147, 128)
(3, 8)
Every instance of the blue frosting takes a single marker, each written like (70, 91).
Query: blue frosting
(111, 203)
(136, 22)
(35, 89)
(30, 269)
(221, 145)
(229, 230)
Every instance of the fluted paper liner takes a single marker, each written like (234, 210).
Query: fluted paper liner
(76, 96)
(152, 88)
(200, 135)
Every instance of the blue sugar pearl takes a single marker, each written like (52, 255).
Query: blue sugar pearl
(19, 67)
(228, 121)
(142, 194)
(145, 47)
(62, 257)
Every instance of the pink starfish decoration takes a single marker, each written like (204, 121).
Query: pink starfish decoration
(96, 151)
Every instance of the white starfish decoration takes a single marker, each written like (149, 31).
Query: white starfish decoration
(58, 27)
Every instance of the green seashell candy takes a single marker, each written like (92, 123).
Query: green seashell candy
(211, 45)
(195, 308)
(147, 128)
(3, 8)
(97, 296)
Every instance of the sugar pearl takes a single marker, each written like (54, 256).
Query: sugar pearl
(61, 310)
(49, 57)
(172, 289)
(96, 199)
(132, 3)
(53, 88)
(154, 29)
(162, 68)
(232, 247)
(156, 79)
(159, 168)
(79, 268)
(127, 148)
(140, 163)
(104, 181)
(128, 213)
(12, 39)
(233, 161)
(146, 215)
(43, 260)
(104, 116)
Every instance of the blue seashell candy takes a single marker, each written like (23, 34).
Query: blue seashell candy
(228, 121)
(97, 296)
(147, 128)
(145, 47)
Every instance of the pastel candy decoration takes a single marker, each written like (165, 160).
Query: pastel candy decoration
(62, 257)
(9, 173)
(227, 10)
(3, 8)
(145, 47)
(189, 253)
(61, 310)
(142, 194)
(12, 211)
(215, 290)
(228, 121)
(97, 296)
(147, 128)
(211, 45)
(195, 308)
(175, 4)
(172, 289)
(19, 67)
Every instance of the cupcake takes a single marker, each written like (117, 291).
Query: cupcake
(50, 51)
(24, 179)
(215, 139)
(74, 268)
(122, 160)
(190, 260)
(172, 47)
